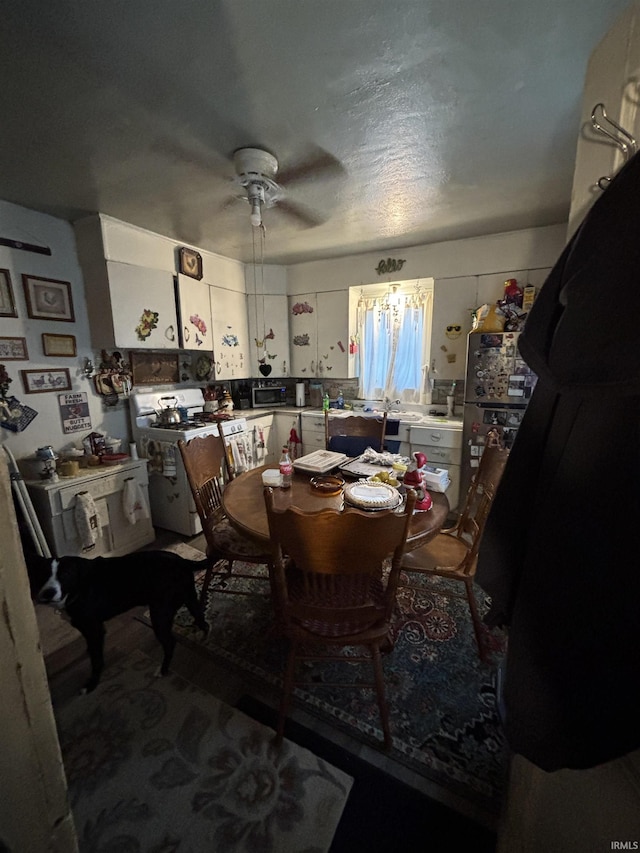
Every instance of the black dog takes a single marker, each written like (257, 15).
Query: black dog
(93, 591)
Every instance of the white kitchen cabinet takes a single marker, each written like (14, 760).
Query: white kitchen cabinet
(260, 428)
(312, 427)
(55, 503)
(230, 333)
(269, 318)
(283, 423)
(194, 308)
(443, 448)
(319, 330)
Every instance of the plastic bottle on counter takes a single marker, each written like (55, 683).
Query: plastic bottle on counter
(325, 402)
(286, 468)
(340, 400)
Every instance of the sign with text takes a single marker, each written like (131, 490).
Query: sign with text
(74, 409)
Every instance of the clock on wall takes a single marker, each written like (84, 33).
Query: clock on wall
(190, 263)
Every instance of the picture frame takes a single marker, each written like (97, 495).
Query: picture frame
(43, 380)
(62, 346)
(190, 262)
(13, 349)
(48, 299)
(154, 367)
(7, 302)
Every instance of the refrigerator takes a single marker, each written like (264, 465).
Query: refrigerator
(498, 387)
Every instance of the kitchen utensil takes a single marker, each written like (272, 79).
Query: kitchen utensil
(169, 412)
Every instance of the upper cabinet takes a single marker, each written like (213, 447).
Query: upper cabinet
(194, 309)
(268, 319)
(319, 331)
(611, 81)
(143, 309)
(230, 333)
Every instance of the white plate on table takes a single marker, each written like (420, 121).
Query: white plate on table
(366, 494)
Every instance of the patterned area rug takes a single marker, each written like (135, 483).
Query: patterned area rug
(156, 764)
(443, 702)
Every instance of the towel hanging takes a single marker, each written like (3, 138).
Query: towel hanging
(86, 519)
(134, 504)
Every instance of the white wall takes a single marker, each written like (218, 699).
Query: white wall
(18, 223)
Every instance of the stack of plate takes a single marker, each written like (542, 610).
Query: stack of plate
(366, 494)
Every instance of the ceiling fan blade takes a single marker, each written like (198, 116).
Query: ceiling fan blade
(303, 215)
(319, 164)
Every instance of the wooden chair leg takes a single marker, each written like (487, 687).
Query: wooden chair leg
(475, 618)
(287, 690)
(382, 699)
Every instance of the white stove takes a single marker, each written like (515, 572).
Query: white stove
(172, 506)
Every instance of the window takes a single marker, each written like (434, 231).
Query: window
(394, 331)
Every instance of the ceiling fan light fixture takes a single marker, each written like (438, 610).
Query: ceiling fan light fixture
(255, 195)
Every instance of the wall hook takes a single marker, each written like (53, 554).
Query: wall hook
(621, 138)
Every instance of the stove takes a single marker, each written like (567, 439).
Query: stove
(170, 498)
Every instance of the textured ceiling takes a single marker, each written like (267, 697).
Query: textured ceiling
(396, 123)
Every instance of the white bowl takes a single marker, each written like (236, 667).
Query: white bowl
(272, 477)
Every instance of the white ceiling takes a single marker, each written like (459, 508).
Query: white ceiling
(431, 119)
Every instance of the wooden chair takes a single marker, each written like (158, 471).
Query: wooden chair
(453, 553)
(207, 467)
(330, 590)
(354, 433)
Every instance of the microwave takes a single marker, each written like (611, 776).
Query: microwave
(268, 396)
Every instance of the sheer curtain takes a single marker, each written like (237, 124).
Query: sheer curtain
(394, 346)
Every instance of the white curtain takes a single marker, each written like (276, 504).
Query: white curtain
(394, 347)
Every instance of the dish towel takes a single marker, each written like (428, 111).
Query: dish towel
(86, 519)
(133, 503)
(169, 467)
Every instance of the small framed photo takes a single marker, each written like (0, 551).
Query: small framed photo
(13, 349)
(154, 367)
(48, 299)
(7, 302)
(39, 381)
(190, 263)
(63, 346)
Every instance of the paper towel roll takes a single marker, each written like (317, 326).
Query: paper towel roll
(299, 393)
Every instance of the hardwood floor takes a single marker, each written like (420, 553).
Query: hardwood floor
(68, 668)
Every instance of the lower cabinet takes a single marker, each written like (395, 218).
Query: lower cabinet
(313, 436)
(55, 505)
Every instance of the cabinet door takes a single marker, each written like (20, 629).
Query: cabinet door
(333, 334)
(230, 333)
(303, 329)
(269, 322)
(143, 306)
(194, 307)
(283, 423)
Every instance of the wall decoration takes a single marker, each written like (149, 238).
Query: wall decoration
(390, 265)
(190, 263)
(14, 415)
(14, 349)
(7, 302)
(74, 410)
(155, 368)
(63, 346)
(39, 381)
(48, 299)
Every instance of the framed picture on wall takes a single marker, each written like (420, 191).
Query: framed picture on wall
(13, 349)
(62, 346)
(154, 368)
(190, 263)
(39, 381)
(48, 299)
(7, 302)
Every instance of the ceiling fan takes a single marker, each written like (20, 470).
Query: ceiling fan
(256, 171)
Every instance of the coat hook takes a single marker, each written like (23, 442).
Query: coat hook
(622, 139)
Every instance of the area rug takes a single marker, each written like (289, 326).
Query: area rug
(444, 716)
(158, 765)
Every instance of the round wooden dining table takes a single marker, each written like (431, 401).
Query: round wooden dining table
(243, 503)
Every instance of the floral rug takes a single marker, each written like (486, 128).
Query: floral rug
(158, 765)
(443, 702)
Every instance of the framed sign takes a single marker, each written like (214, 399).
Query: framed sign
(190, 263)
(7, 303)
(39, 381)
(59, 345)
(13, 349)
(48, 299)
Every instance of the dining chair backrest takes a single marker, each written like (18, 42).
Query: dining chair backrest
(354, 432)
(335, 554)
(206, 465)
(480, 495)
